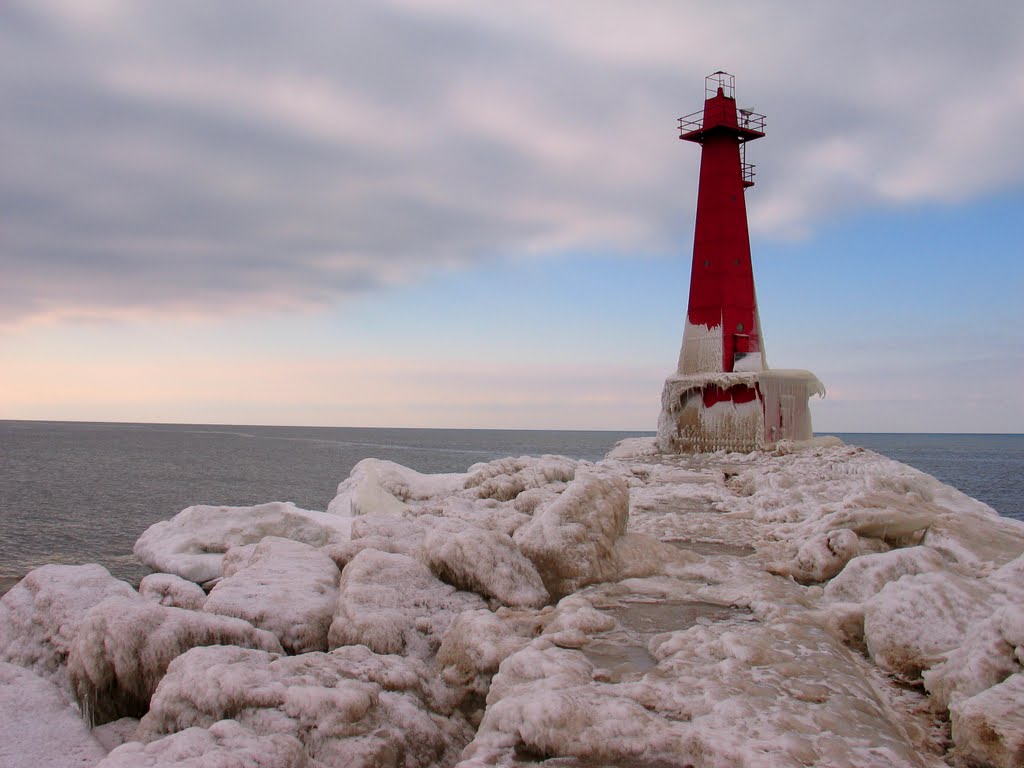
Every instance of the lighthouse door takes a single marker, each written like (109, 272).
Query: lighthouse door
(787, 414)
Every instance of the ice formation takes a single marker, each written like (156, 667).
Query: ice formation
(192, 543)
(393, 604)
(40, 617)
(816, 604)
(283, 586)
(124, 645)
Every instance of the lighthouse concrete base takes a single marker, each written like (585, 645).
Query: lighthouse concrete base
(739, 411)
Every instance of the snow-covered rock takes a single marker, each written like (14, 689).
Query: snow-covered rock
(348, 708)
(376, 487)
(478, 641)
(505, 479)
(395, 605)
(864, 576)
(988, 655)
(386, 533)
(911, 622)
(124, 645)
(192, 543)
(822, 556)
(174, 591)
(224, 743)
(40, 616)
(686, 646)
(571, 540)
(486, 562)
(283, 586)
(988, 728)
(39, 727)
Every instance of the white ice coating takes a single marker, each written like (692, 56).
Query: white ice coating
(283, 586)
(686, 425)
(753, 610)
(701, 351)
(192, 543)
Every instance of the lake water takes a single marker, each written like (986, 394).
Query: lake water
(77, 492)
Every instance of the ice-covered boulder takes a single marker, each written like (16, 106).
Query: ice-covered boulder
(386, 533)
(505, 479)
(988, 728)
(478, 641)
(224, 743)
(39, 726)
(487, 513)
(40, 616)
(349, 707)
(283, 586)
(991, 651)
(124, 645)
(864, 576)
(483, 561)
(911, 622)
(174, 591)
(821, 557)
(192, 543)
(377, 487)
(395, 605)
(544, 702)
(571, 540)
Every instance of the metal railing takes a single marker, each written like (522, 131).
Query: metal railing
(745, 118)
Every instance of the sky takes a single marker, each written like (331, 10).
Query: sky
(456, 213)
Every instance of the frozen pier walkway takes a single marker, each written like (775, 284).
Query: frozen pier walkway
(819, 605)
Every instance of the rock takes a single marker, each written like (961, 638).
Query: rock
(988, 728)
(193, 542)
(124, 645)
(173, 591)
(283, 586)
(224, 743)
(350, 707)
(394, 604)
(571, 540)
(41, 615)
(486, 562)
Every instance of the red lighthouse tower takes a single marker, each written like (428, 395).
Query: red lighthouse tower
(722, 395)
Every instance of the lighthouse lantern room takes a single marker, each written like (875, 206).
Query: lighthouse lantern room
(723, 395)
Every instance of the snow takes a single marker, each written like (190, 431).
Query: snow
(385, 488)
(815, 604)
(988, 728)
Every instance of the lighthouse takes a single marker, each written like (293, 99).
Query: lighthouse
(723, 394)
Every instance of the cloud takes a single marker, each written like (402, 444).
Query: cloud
(194, 158)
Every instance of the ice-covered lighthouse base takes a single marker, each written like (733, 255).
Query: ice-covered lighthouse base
(735, 411)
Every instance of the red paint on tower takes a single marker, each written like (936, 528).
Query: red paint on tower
(722, 279)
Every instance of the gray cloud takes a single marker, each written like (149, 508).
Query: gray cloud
(202, 157)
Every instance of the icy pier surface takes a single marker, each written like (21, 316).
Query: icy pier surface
(815, 605)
